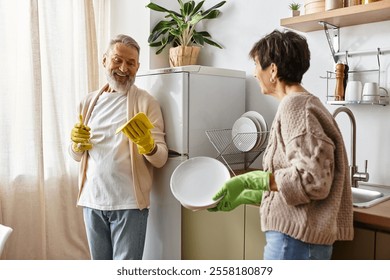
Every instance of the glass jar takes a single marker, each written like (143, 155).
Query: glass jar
(353, 2)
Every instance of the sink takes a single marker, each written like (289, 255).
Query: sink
(363, 196)
(369, 195)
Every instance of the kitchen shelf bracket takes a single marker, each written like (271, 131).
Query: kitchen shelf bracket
(334, 39)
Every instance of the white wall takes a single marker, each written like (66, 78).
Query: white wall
(241, 25)
(132, 18)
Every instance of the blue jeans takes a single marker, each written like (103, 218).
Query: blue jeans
(280, 246)
(116, 235)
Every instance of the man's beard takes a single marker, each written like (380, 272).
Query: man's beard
(117, 86)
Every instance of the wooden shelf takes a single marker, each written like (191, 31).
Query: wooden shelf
(349, 16)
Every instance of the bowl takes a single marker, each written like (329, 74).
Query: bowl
(195, 181)
(314, 6)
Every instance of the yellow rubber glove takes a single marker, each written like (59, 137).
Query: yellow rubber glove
(138, 131)
(80, 136)
(242, 189)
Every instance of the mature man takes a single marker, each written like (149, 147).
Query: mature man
(116, 169)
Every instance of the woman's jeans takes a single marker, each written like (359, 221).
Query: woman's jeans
(116, 235)
(283, 247)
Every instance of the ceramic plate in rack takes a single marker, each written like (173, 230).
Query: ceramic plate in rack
(244, 134)
(258, 126)
(263, 123)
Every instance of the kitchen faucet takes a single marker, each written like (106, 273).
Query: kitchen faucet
(355, 175)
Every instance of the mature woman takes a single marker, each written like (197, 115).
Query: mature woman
(304, 190)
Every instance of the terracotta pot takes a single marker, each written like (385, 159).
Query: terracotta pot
(295, 13)
(180, 56)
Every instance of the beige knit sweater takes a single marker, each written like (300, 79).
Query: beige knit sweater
(307, 156)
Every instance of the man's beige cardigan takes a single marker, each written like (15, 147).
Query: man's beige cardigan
(138, 100)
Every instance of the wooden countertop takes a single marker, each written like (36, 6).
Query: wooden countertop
(376, 217)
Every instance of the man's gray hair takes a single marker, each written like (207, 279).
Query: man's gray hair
(124, 39)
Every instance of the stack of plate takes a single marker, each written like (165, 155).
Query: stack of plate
(249, 131)
(195, 182)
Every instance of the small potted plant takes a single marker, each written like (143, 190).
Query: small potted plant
(178, 30)
(294, 7)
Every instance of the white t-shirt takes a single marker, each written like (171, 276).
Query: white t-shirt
(108, 184)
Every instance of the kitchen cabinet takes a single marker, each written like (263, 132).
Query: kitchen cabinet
(368, 244)
(348, 16)
(382, 249)
(254, 238)
(234, 235)
(237, 235)
(362, 247)
(213, 235)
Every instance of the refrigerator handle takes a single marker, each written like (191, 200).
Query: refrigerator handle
(172, 154)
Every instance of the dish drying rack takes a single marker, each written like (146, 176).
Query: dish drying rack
(229, 154)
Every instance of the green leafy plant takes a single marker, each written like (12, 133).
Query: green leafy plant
(179, 28)
(294, 6)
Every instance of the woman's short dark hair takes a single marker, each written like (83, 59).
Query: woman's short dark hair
(288, 50)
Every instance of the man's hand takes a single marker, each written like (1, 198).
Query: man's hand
(138, 131)
(80, 136)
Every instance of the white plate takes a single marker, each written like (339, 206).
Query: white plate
(195, 208)
(242, 131)
(263, 123)
(258, 126)
(195, 181)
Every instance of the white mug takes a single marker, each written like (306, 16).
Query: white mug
(371, 92)
(353, 91)
(385, 97)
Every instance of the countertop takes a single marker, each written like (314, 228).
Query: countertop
(375, 217)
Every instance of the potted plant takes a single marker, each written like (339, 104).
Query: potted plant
(178, 29)
(294, 7)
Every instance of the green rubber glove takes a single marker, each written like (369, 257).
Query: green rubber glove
(80, 136)
(242, 189)
(138, 131)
